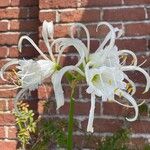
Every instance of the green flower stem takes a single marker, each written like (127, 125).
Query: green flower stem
(71, 120)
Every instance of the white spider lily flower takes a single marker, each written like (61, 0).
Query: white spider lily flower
(105, 74)
(32, 73)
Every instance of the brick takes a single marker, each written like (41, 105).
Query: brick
(104, 125)
(3, 52)
(80, 15)
(125, 14)
(24, 3)
(129, 2)
(45, 92)
(114, 109)
(2, 105)
(13, 13)
(8, 145)
(3, 25)
(140, 126)
(4, 3)
(27, 52)
(68, 60)
(137, 29)
(57, 4)
(135, 45)
(139, 93)
(6, 94)
(24, 25)
(9, 39)
(12, 132)
(49, 16)
(62, 31)
(100, 3)
(10, 104)
(2, 132)
(81, 108)
(7, 119)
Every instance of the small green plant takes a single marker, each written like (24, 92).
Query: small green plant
(50, 133)
(25, 123)
(116, 142)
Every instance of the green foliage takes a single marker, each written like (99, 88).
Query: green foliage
(50, 132)
(147, 147)
(116, 142)
(25, 122)
(143, 108)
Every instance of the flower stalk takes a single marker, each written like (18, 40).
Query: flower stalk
(71, 117)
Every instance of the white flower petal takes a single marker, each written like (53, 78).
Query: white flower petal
(132, 68)
(129, 106)
(33, 44)
(91, 114)
(66, 42)
(132, 101)
(48, 31)
(131, 53)
(86, 31)
(56, 81)
(110, 36)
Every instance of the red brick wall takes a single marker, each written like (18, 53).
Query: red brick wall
(18, 17)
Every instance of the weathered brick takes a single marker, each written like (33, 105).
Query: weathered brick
(24, 3)
(100, 3)
(7, 119)
(9, 38)
(129, 2)
(13, 13)
(8, 145)
(4, 3)
(140, 126)
(125, 14)
(104, 125)
(81, 108)
(57, 4)
(135, 45)
(3, 25)
(80, 15)
(137, 29)
(2, 132)
(24, 25)
(48, 15)
(12, 132)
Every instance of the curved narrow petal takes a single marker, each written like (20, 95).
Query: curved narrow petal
(131, 53)
(132, 101)
(91, 114)
(128, 105)
(33, 44)
(110, 36)
(86, 31)
(56, 81)
(132, 68)
(66, 42)
(48, 31)
(13, 62)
